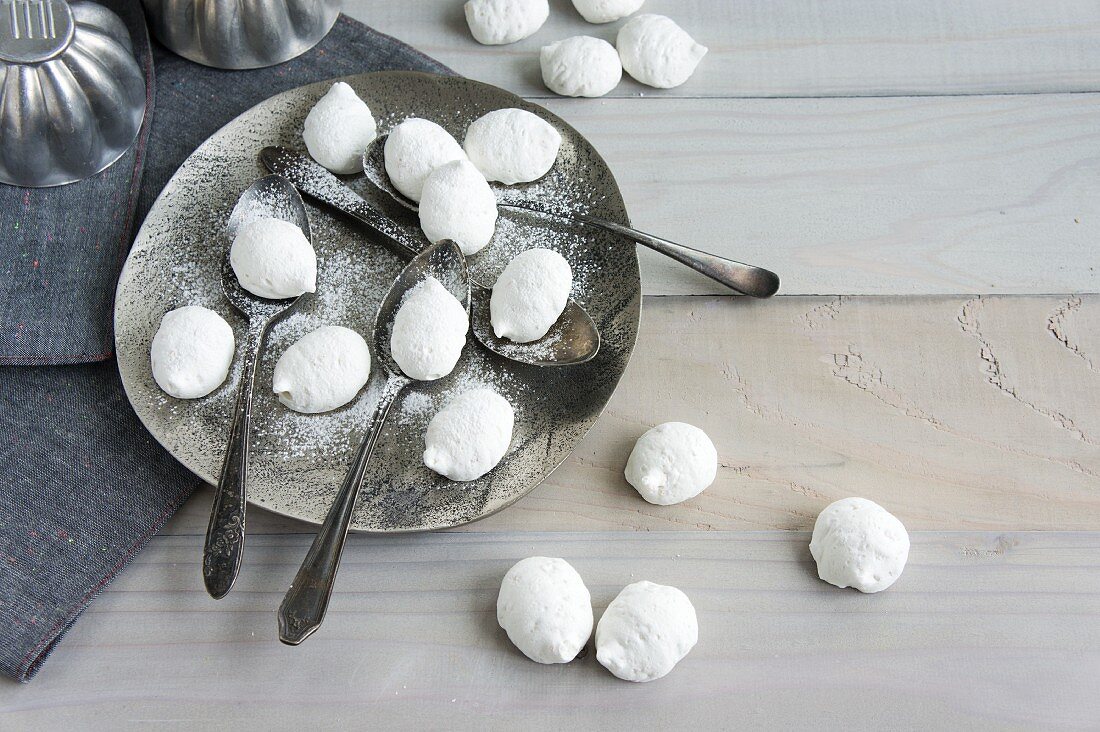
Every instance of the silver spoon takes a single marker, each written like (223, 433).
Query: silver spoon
(743, 278)
(573, 339)
(268, 197)
(303, 609)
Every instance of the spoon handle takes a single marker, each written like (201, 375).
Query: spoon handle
(319, 185)
(303, 609)
(744, 278)
(224, 546)
(354, 207)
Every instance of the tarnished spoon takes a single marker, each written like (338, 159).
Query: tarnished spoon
(743, 278)
(303, 609)
(268, 197)
(573, 339)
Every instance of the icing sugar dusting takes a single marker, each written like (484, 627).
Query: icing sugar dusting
(299, 460)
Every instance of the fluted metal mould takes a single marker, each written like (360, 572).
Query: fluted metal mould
(241, 34)
(72, 96)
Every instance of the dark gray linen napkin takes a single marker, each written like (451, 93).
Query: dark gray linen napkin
(86, 485)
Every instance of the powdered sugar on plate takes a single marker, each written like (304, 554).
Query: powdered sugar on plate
(299, 460)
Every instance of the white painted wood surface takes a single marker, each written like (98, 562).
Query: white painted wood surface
(984, 630)
(953, 374)
(801, 48)
(841, 196)
(994, 194)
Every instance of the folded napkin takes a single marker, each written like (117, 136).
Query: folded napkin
(86, 485)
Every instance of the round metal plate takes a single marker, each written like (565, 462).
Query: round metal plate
(299, 460)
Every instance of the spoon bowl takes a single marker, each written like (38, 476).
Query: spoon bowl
(443, 261)
(306, 603)
(572, 340)
(270, 197)
(374, 167)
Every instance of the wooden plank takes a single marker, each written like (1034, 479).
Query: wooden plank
(863, 196)
(764, 48)
(954, 412)
(982, 630)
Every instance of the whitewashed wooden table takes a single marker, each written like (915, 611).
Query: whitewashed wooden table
(925, 176)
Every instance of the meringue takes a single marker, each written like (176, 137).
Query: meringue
(338, 130)
(456, 203)
(429, 331)
(191, 352)
(656, 51)
(413, 150)
(605, 11)
(671, 463)
(322, 370)
(580, 66)
(469, 436)
(530, 295)
(496, 22)
(272, 258)
(858, 543)
(645, 631)
(512, 145)
(545, 608)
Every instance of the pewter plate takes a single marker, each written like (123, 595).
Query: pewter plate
(299, 460)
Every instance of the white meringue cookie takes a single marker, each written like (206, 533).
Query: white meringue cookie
(456, 203)
(512, 145)
(191, 352)
(645, 631)
(671, 463)
(656, 51)
(414, 149)
(858, 543)
(545, 608)
(322, 370)
(530, 295)
(272, 258)
(580, 66)
(470, 435)
(429, 331)
(496, 22)
(605, 11)
(338, 130)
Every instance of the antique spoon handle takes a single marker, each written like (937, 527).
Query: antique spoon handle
(317, 183)
(303, 609)
(225, 534)
(744, 278)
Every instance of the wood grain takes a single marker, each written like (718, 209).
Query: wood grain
(988, 194)
(972, 417)
(953, 412)
(763, 48)
(863, 196)
(983, 630)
